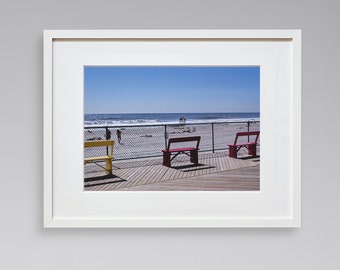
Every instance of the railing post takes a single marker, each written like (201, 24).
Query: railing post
(248, 127)
(107, 137)
(165, 136)
(212, 137)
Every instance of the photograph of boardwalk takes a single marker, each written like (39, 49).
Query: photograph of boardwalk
(180, 128)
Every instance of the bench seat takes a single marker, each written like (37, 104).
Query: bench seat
(242, 144)
(180, 149)
(92, 159)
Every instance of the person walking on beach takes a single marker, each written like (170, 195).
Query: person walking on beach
(119, 135)
(108, 134)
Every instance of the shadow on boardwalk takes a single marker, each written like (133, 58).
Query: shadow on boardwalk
(215, 172)
(102, 180)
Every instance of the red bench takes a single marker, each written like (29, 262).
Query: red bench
(189, 151)
(251, 146)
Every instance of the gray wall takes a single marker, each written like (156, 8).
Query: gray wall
(23, 241)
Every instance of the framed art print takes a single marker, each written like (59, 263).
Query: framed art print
(172, 128)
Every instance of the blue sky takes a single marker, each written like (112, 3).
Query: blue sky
(153, 89)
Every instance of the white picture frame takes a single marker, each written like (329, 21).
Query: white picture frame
(277, 204)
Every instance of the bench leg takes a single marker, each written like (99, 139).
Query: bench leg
(166, 159)
(232, 151)
(252, 150)
(108, 167)
(194, 156)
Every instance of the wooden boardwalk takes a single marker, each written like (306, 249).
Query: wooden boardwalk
(215, 172)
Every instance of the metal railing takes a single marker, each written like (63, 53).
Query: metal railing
(141, 141)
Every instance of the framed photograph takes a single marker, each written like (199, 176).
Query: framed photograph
(172, 128)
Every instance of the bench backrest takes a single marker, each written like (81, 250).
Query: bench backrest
(109, 143)
(185, 139)
(250, 133)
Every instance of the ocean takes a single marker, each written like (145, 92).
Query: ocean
(133, 119)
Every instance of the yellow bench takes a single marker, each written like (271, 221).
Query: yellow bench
(108, 158)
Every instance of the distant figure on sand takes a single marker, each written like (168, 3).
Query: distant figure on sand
(182, 120)
(119, 135)
(108, 134)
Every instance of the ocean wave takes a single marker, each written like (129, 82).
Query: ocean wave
(155, 122)
(140, 119)
(109, 122)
